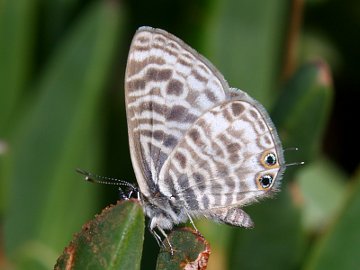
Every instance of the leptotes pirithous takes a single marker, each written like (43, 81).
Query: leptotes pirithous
(198, 147)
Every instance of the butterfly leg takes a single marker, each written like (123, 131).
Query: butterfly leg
(160, 241)
(192, 222)
(167, 240)
(157, 237)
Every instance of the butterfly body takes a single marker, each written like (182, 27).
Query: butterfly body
(198, 147)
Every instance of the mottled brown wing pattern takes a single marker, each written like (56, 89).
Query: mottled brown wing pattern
(168, 86)
(219, 161)
(197, 146)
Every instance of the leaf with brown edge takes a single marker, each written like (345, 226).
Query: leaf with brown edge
(191, 251)
(112, 240)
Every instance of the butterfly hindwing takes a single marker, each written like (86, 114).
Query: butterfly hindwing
(218, 162)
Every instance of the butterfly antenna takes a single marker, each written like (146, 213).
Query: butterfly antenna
(293, 163)
(94, 178)
(291, 149)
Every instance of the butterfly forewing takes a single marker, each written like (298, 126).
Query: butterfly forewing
(168, 86)
(197, 146)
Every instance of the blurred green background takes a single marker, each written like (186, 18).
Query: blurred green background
(62, 106)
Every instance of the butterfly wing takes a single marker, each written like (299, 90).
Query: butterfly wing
(222, 159)
(168, 86)
(204, 147)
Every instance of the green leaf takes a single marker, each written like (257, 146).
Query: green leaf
(113, 240)
(303, 109)
(244, 40)
(58, 15)
(190, 251)
(47, 201)
(339, 246)
(220, 236)
(276, 240)
(320, 198)
(17, 30)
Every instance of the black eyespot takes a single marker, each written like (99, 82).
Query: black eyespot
(266, 181)
(270, 159)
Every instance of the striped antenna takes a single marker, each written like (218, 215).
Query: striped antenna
(291, 149)
(94, 178)
(294, 163)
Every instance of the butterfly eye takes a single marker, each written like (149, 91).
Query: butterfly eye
(270, 159)
(266, 181)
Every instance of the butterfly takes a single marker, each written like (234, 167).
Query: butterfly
(199, 148)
